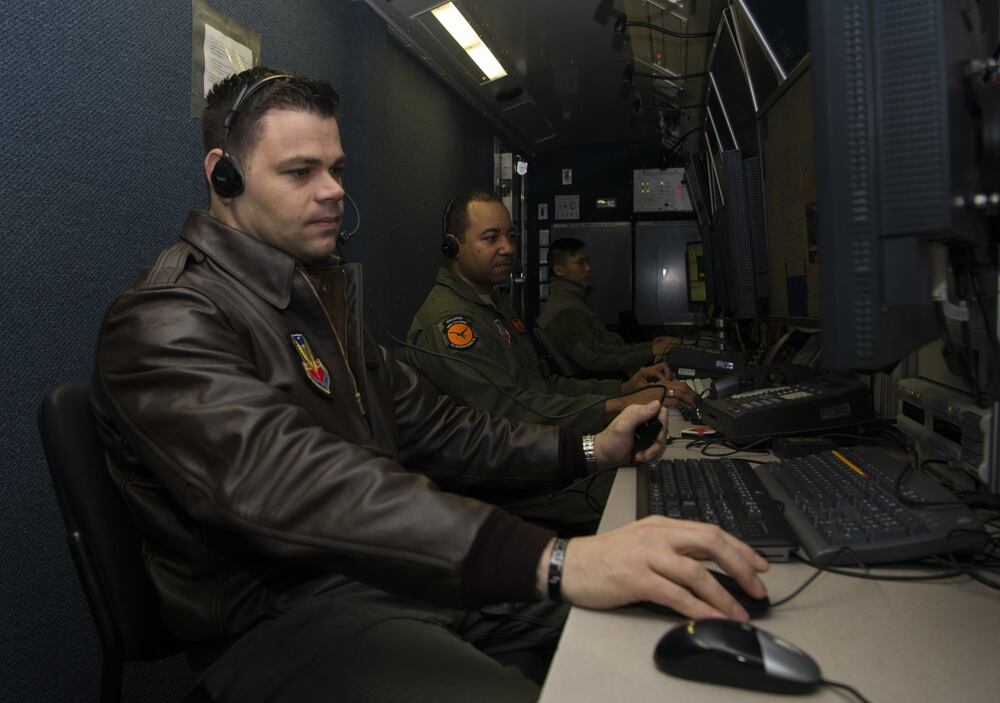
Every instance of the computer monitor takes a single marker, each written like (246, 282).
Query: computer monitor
(729, 91)
(785, 127)
(896, 142)
(736, 242)
(696, 179)
(782, 25)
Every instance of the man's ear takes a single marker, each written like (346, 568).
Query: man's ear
(211, 158)
(558, 270)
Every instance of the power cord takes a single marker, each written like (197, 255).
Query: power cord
(853, 691)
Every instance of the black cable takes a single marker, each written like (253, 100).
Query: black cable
(680, 141)
(658, 28)
(849, 689)
(867, 574)
(734, 450)
(587, 482)
(781, 601)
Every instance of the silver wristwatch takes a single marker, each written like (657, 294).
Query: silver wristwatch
(589, 453)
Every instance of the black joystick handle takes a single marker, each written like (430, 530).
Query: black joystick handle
(645, 434)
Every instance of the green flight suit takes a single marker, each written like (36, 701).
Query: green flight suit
(579, 333)
(456, 322)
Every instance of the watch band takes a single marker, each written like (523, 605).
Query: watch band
(556, 562)
(589, 452)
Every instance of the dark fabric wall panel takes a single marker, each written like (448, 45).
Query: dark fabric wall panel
(422, 145)
(100, 165)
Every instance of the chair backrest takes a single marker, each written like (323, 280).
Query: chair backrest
(105, 544)
(564, 366)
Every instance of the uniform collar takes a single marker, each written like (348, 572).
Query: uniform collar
(449, 280)
(264, 269)
(564, 285)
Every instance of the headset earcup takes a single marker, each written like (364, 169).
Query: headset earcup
(227, 179)
(450, 246)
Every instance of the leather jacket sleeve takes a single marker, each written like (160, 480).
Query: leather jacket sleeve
(461, 446)
(178, 392)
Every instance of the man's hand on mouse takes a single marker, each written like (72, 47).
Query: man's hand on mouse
(657, 559)
(613, 445)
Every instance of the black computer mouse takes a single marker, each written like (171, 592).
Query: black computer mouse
(733, 654)
(755, 607)
(645, 434)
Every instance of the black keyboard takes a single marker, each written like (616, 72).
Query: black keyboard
(846, 499)
(724, 492)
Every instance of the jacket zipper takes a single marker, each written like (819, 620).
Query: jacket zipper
(343, 352)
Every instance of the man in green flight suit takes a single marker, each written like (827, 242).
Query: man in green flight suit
(464, 318)
(471, 345)
(577, 331)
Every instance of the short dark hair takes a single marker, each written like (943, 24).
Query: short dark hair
(561, 250)
(296, 92)
(456, 213)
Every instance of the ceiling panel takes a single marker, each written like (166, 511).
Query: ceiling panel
(565, 65)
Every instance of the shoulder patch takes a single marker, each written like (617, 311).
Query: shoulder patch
(315, 370)
(458, 332)
(518, 325)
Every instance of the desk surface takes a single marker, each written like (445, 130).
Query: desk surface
(892, 641)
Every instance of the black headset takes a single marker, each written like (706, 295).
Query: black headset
(450, 244)
(227, 177)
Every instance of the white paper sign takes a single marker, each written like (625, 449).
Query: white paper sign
(223, 57)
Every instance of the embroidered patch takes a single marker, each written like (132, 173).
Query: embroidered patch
(458, 332)
(502, 329)
(518, 325)
(315, 370)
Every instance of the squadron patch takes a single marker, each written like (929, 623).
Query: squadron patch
(315, 370)
(502, 329)
(518, 325)
(458, 332)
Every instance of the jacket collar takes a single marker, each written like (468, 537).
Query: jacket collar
(563, 285)
(265, 270)
(449, 280)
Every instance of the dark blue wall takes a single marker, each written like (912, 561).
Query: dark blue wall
(101, 161)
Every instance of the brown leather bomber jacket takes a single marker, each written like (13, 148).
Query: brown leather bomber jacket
(255, 488)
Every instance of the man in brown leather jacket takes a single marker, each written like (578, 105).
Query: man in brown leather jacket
(291, 479)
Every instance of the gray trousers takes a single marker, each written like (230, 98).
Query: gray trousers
(358, 643)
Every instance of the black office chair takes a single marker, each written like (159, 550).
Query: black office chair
(563, 366)
(103, 540)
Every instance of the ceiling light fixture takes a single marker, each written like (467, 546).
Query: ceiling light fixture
(462, 32)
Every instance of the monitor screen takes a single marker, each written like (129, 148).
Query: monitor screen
(786, 133)
(697, 292)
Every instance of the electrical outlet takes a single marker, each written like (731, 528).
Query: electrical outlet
(567, 207)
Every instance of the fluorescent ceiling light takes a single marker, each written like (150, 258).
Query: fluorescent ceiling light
(462, 32)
